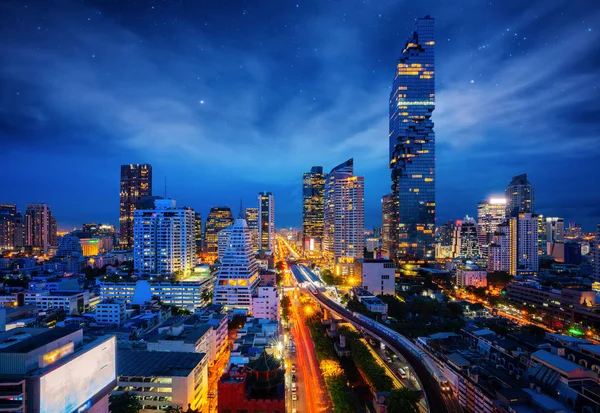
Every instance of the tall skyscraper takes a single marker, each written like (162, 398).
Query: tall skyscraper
(164, 240)
(266, 221)
(344, 225)
(595, 245)
(251, 215)
(412, 146)
(524, 257)
(387, 213)
(466, 243)
(499, 249)
(40, 228)
(313, 198)
(223, 241)
(238, 277)
(8, 213)
(136, 183)
(198, 232)
(519, 196)
(490, 214)
(218, 219)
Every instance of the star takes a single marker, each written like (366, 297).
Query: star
(202, 102)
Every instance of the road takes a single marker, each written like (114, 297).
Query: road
(437, 401)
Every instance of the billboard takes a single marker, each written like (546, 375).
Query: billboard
(71, 385)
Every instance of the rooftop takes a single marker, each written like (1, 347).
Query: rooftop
(38, 337)
(555, 361)
(156, 363)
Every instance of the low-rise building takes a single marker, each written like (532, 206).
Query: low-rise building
(265, 303)
(111, 312)
(376, 275)
(72, 302)
(163, 379)
(471, 276)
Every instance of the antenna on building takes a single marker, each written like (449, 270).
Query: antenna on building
(241, 216)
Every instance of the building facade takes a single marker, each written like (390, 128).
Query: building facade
(218, 219)
(238, 276)
(465, 242)
(40, 228)
(313, 198)
(223, 241)
(387, 214)
(265, 303)
(524, 258)
(519, 196)
(412, 146)
(470, 276)
(198, 232)
(266, 221)
(499, 249)
(111, 312)
(8, 213)
(555, 229)
(344, 218)
(377, 276)
(490, 214)
(136, 183)
(251, 215)
(164, 240)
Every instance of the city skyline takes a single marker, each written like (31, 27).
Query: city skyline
(494, 115)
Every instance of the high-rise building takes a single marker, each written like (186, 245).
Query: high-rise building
(465, 241)
(164, 240)
(218, 219)
(445, 240)
(555, 229)
(573, 231)
(238, 276)
(251, 215)
(198, 232)
(40, 228)
(68, 246)
(412, 146)
(313, 197)
(344, 224)
(490, 214)
(499, 249)
(387, 213)
(223, 241)
(524, 258)
(519, 196)
(136, 183)
(266, 221)
(596, 254)
(7, 226)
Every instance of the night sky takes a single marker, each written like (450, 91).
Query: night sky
(228, 98)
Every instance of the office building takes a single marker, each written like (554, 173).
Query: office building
(185, 294)
(91, 247)
(313, 193)
(218, 219)
(555, 229)
(387, 214)
(344, 218)
(164, 240)
(111, 312)
(519, 196)
(223, 241)
(52, 370)
(524, 258)
(68, 246)
(444, 245)
(465, 241)
(266, 221)
(238, 276)
(40, 228)
(8, 213)
(136, 183)
(258, 386)
(376, 275)
(265, 303)
(499, 249)
(198, 232)
(163, 379)
(490, 214)
(471, 276)
(251, 215)
(412, 146)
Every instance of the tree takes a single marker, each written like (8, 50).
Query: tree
(124, 403)
(285, 308)
(207, 295)
(404, 400)
(327, 276)
(498, 279)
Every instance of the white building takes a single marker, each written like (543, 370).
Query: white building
(164, 239)
(490, 214)
(265, 304)
(185, 294)
(465, 243)
(372, 244)
(238, 276)
(111, 312)
(266, 221)
(471, 276)
(377, 276)
(555, 229)
(499, 249)
(344, 218)
(223, 240)
(524, 257)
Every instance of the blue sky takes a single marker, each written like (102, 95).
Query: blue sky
(226, 99)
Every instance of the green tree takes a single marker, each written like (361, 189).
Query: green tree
(285, 308)
(327, 276)
(404, 400)
(124, 403)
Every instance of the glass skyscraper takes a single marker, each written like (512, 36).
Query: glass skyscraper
(412, 147)
(313, 195)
